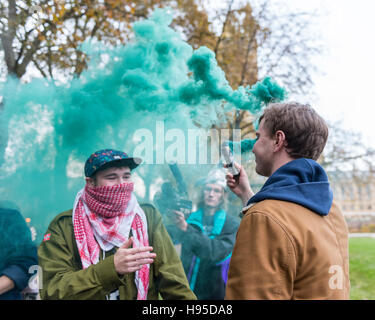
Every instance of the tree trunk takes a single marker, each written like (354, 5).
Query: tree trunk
(223, 29)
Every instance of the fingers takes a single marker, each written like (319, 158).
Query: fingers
(235, 164)
(131, 260)
(230, 176)
(179, 215)
(234, 181)
(134, 268)
(180, 220)
(142, 256)
(139, 262)
(238, 166)
(127, 243)
(231, 181)
(137, 265)
(137, 250)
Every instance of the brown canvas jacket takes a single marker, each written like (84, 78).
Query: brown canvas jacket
(286, 251)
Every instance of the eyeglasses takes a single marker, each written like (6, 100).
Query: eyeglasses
(215, 190)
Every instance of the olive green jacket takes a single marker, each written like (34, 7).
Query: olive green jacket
(64, 278)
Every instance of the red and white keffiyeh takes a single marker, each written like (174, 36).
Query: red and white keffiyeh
(102, 218)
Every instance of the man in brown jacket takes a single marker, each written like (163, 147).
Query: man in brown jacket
(293, 240)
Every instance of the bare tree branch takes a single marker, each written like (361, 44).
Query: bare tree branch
(39, 68)
(21, 68)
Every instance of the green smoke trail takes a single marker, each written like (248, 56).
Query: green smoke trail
(52, 129)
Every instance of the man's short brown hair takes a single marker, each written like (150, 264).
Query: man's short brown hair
(305, 131)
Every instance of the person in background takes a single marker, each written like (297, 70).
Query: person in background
(17, 254)
(109, 246)
(292, 242)
(207, 237)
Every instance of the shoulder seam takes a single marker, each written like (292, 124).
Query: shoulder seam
(64, 214)
(281, 225)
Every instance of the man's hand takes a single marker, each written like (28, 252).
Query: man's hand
(239, 184)
(180, 220)
(128, 260)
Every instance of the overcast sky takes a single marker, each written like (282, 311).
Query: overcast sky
(345, 86)
(346, 90)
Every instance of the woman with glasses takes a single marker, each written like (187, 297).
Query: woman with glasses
(207, 237)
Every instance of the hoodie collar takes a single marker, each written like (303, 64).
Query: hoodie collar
(301, 181)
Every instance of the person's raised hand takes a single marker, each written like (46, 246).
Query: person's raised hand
(239, 184)
(180, 220)
(128, 260)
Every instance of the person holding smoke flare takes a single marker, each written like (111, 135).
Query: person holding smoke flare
(292, 242)
(109, 246)
(17, 253)
(207, 237)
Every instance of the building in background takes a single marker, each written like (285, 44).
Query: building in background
(355, 194)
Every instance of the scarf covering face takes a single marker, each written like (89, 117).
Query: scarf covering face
(102, 218)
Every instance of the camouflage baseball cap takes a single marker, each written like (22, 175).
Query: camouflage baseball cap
(102, 157)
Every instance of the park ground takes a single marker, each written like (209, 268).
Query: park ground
(362, 268)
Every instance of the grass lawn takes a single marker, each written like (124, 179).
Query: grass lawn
(362, 268)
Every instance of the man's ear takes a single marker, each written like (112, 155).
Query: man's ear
(280, 140)
(90, 181)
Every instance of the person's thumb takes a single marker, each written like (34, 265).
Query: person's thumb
(127, 244)
(238, 166)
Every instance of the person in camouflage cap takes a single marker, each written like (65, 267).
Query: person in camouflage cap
(109, 246)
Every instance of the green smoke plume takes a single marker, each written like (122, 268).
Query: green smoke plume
(51, 129)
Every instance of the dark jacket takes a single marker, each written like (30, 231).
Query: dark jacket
(292, 242)
(206, 251)
(17, 252)
(64, 278)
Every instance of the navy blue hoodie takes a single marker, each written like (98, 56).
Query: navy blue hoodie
(302, 181)
(17, 251)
